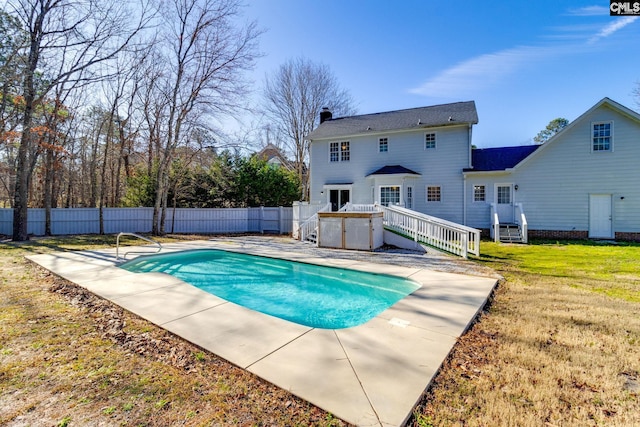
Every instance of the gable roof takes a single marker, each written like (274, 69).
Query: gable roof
(413, 118)
(513, 157)
(273, 155)
(498, 159)
(392, 170)
(621, 109)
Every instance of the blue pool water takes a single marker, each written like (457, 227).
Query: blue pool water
(311, 295)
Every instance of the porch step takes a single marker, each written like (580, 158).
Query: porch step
(510, 233)
(313, 238)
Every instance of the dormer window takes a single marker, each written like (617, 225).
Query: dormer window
(602, 136)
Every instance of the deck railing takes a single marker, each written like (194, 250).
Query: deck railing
(441, 234)
(521, 219)
(495, 224)
(310, 227)
(350, 207)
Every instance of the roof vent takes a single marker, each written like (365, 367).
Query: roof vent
(450, 118)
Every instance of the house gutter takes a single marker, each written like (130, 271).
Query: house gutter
(464, 178)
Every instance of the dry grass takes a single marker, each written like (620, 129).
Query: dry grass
(560, 344)
(69, 358)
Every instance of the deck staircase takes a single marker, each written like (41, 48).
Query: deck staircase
(312, 237)
(436, 232)
(510, 233)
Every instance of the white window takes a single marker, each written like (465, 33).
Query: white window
(479, 193)
(410, 197)
(334, 152)
(434, 193)
(504, 194)
(383, 145)
(602, 136)
(429, 140)
(345, 154)
(339, 151)
(390, 195)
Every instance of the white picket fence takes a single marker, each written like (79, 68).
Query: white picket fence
(272, 220)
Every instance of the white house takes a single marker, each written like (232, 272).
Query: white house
(583, 182)
(413, 158)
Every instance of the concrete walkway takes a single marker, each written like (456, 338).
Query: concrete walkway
(369, 375)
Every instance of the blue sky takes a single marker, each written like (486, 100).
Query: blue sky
(524, 63)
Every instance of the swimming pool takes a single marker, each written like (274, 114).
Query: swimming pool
(307, 294)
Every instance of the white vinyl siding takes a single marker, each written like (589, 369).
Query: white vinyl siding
(554, 184)
(406, 149)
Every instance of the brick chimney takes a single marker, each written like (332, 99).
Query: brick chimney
(325, 114)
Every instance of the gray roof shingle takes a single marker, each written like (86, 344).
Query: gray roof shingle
(412, 118)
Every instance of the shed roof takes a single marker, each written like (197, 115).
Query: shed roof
(412, 118)
(497, 159)
(392, 170)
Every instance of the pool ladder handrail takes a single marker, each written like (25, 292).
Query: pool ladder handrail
(134, 252)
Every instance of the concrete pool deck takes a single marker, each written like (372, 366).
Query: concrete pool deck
(368, 375)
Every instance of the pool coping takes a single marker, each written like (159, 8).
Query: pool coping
(368, 375)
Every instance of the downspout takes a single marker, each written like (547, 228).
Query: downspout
(470, 147)
(464, 198)
(464, 179)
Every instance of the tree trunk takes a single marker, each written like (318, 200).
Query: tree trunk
(48, 191)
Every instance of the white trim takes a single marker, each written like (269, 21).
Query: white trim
(389, 132)
(435, 140)
(339, 142)
(592, 234)
(473, 193)
(387, 140)
(604, 101)
(611, 139)
(326, 191)
(400, 192)
(426, 193)
(512, 199)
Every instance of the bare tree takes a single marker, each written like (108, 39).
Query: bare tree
(72, 38)
(203, 54)
(294, 96)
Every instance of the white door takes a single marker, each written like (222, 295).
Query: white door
(504, 203)
(600, 220)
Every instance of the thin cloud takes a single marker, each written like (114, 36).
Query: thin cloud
(481, 71)
(589, 11)
(617, 25)
(488, 69)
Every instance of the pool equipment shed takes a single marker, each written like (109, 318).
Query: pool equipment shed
(350, 230)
